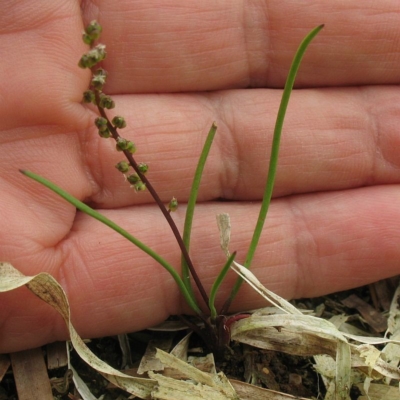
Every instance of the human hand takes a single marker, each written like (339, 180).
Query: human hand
(173, 70)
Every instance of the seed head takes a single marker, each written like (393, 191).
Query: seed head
(88, 96)
(119, 122)
(140, 186)
(133, 179)
(106, 102)
(173, 204)
(122, 166)
(92, 33)
(100, 122)
(143, 167)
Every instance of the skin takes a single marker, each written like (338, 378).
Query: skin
(173, 69)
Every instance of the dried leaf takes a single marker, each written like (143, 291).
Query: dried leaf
(181, 349)
(295, 333)
(175, 389)
(201, 385)
(149, 361)
(47, 288)
(224, 226)
(251, 392)
(271, 297)
(81, 386)
(343, 371)
(187, 370)
(380, 392)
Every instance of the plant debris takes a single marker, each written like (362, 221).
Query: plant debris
(275, 354)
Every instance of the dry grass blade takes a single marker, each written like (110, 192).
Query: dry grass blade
(30, 374)
(174, 389)
(57, 356)
(150, 361)
(379, 392)
(224, 227)
(46, 288)
(197, 384)
(81, 386)
(343, 371)
(299, 334)
(251, 392)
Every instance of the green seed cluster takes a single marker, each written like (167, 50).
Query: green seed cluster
(95, 95)
(92, 33)
(173, 204)
(93, 57)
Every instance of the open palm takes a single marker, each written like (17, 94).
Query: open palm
(173, 70)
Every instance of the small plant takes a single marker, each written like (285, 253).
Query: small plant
(216, 322)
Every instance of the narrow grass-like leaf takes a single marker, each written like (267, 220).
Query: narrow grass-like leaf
(187, 230)
(96, 215)
(274, 156)
(217, 284)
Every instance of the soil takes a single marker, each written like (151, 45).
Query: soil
(277, 371)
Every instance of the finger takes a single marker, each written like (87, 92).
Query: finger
(332, 139)
(312, 245)
(219, 45)
(41, 83)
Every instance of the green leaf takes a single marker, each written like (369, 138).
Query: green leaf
(274, 156)
(100, 217)
(217, 284)
(187, 230)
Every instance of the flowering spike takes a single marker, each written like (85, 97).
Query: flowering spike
(122, 166)
(122, 144)
(106, 102)
(93, 30)
(100, 50)
(101, 71)
(84, 61)
(133, 179)
(173, 204)
(131, 147)
(100, 122)
(104, 133)
(87, 39)
(92, 57)
(143, 167)
(140, 186)
(88, 96)
(119, 122)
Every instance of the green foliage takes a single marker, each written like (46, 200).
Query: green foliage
(139, 182)
(100, 217)
(273, 163)
(217, 284)
(187, 230)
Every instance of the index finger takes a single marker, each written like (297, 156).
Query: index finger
(208, 45)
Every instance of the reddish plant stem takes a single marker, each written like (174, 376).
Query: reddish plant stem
(159, 202)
